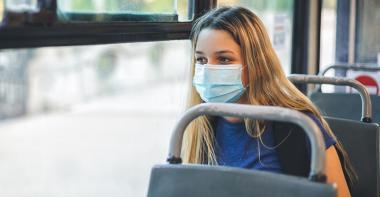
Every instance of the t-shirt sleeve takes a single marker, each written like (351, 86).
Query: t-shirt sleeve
(329, 141)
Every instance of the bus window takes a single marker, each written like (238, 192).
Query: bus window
(22, 5)
(328, 34)
(1, 11)
(88, 120)
(120, 10)
(357, 40)
(349, 36)
(84, 22)
(277, 16)
(367, 46)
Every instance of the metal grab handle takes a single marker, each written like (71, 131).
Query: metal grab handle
(364, 95)
(317, 166)
(351, 67)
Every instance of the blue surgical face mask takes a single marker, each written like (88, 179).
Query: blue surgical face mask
(218, 83)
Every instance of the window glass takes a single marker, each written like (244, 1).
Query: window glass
(328, 34)
(1, 10)
(328, 40)
(21, 5)
(160, 6)
(88, 120)
(335, 44)
(277, 16)
(367, 32)
(130, 10)
(336, 47)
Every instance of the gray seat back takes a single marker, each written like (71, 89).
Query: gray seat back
(331, 104)
(216, 181)
(211, 181)
(361, 141)
(347, 106)
(363, 92)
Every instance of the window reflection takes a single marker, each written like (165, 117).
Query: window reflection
(152, 6)
(159, 8)
(21, 5)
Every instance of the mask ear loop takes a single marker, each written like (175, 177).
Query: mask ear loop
(242, 68)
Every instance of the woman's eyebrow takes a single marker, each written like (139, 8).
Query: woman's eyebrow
(224, 51)
(217, 52)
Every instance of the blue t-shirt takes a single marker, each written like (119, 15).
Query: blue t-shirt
(234, 147)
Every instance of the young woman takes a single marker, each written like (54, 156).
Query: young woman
(234, 62)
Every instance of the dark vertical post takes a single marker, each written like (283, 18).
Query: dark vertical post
(300, 39)
(202, 6)
(319, 21)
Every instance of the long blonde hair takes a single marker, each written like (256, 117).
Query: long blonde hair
(268, 84)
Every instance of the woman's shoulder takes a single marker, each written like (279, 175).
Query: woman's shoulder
(329, 140)
(311, 115)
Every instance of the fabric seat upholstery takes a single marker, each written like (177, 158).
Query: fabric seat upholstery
(347, 106)
(217, 181)
(361, 141)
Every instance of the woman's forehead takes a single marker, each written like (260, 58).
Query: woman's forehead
(212, 41)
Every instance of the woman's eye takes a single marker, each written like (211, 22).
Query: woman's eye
(224, 60)
(201, 60)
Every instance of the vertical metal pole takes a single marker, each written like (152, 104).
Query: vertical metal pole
(318, 35)
(352, 33)
(313, 36)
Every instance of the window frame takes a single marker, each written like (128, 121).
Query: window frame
(46, 31)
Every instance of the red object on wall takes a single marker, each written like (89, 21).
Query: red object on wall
(368, 81)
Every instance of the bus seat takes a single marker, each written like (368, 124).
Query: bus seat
(361, 141)
(209, 181)
(336, 105)
(175, 179)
